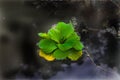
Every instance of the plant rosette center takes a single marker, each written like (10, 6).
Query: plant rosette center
(60, 42)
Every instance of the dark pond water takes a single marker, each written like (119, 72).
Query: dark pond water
(97, 22)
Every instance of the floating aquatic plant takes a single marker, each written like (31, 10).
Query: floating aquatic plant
(60, 42)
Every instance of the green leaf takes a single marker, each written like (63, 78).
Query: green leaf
(60, 55)
(54, 34)
(65, 29)
(75, 55)
(75, 36)
(47, 45)
(78, 45)
(69, 43)
(64, 47)
(43, 35)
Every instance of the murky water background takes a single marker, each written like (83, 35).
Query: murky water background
(97, 22)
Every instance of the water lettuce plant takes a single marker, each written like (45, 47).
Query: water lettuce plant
(60, 42)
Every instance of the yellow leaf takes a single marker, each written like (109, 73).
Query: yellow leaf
(80, 53)
(46, 56)
(75, 56)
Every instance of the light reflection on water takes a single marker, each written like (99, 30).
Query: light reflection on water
(87, 70)
(84, 71)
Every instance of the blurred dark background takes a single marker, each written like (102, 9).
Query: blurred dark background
(97, 22)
